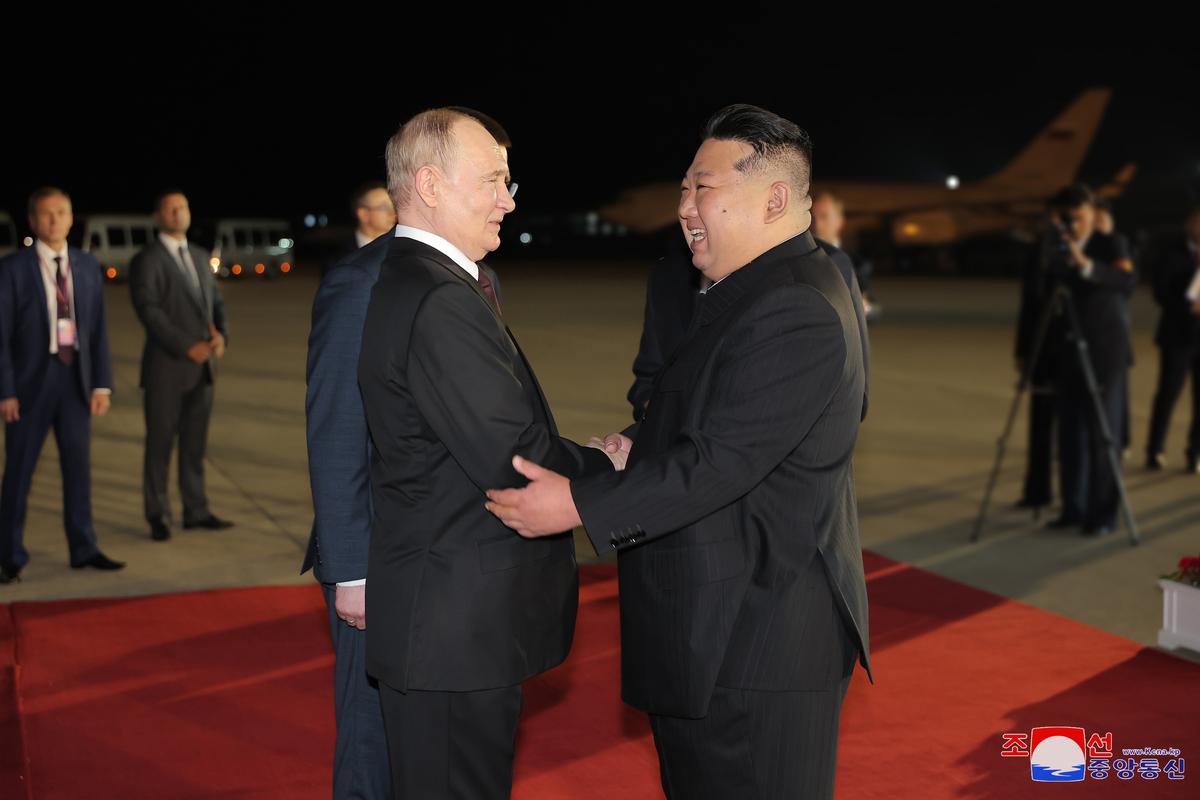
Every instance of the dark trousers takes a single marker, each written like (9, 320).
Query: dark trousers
(174, 411)
(1043, 407)
(360, 757)
(1175, 364)
(58, 404)
(451, 745)
(1089, 489)
(752, 746)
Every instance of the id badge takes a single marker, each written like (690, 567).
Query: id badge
(66, 333)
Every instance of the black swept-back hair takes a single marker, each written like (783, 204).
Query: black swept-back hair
(1073, 196)
(776, 141)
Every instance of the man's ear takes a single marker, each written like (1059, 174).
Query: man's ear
(427, 184)
(779, 197)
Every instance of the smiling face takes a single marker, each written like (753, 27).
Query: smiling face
(472, 193)
(721, 209)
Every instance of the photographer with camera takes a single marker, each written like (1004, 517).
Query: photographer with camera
(1098, 272)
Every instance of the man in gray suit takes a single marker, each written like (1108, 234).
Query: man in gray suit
(179, 304)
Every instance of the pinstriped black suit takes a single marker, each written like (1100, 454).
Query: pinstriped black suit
(743, 601)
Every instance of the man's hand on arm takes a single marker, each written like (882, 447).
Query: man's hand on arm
(543, 508)
(10, 409)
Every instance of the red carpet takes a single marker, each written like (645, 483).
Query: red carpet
(227, 694)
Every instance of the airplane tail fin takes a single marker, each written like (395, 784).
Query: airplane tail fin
(1116, 186)
(1052, 159)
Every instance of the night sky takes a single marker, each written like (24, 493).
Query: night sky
(286, 116)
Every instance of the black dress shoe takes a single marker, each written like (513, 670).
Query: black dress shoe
(212, 522)
(101, 562)
(1156, 462)
(10, 573)
(1192, 466)
(1062, 522)
(159, 531)
(1096, 531)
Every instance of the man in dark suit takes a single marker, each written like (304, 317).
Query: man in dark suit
(55, 372)
(339, 460)
(178, 302)
(743, 601)
(1098, 271)
(1176, 276)
(462, 609)
(672, 291)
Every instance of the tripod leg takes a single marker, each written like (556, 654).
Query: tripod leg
(1106, 433)
(1002, 442)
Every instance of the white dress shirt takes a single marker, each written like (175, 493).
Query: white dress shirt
(46, 257)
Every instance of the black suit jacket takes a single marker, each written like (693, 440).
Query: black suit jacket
(174, 316)
(457, 601)
(671, 293)
(1172, 272)
(25, 325)
(735, 521)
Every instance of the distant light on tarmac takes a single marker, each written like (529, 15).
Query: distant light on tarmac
(526, 238)
(952, 182)
(911, 229)
(260, 268)
(309, 221)
(237, 269)
(322, 220)
(285, 267)
(111, 273)
(286, 243)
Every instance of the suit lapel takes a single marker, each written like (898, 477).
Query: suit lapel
(458, 272)
(79, 282)
(177, 278)
(33, 264)
(448, 264)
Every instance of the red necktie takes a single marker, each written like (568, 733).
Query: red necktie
(485, 283)
(66, 353)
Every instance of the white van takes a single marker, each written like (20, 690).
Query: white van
(245, 247)
(115, 239)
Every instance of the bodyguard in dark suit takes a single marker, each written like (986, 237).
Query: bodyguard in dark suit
(462, 610)
(55, 372)
(178, 302)
(1098, 271)
(1177, 292)
(743, 601)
